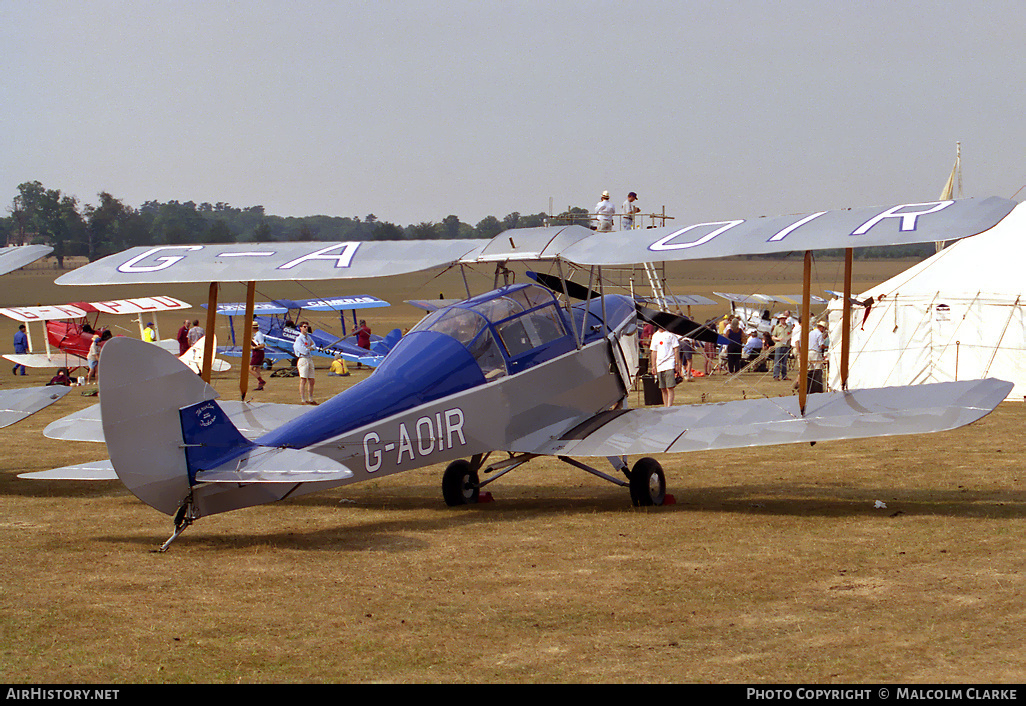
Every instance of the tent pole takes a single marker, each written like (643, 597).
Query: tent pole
(846, 318)
(247, 340)
(803, 352)
(208, 342)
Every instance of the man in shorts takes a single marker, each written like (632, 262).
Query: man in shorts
(665, 362)
(257, 353)
(303, 348)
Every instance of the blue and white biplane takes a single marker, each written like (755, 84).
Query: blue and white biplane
(278, 320)
(525, 370)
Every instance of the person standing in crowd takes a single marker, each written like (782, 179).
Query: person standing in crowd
(629, 209)
(20, 346)
(604, 212)
(93, 359)
(256, 356)
(665, 363)
(150, 333)
(736, 336)
(781, 334)
(363, 334)
(183, 338)
(196, 332)
(303, 348)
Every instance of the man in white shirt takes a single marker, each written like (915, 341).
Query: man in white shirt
(664, 362)
(817, 351)
(629, 209)
(303, 348)
(604, 212)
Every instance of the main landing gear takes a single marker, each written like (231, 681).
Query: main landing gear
(461, 483)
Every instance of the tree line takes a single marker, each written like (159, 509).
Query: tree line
(41, 215)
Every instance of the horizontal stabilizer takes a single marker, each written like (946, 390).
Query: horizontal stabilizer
(251, 419)
(18, 403)
(274, 465)
(97, 470)
(855, 414)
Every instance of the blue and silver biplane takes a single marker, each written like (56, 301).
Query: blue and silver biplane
(278, 319)
(526, 370)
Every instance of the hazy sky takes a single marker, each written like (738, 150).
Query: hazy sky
(417, 110)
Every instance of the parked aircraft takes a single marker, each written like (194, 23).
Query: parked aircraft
(277, 321)
(69, 328)
(517, 370)
(20, 402)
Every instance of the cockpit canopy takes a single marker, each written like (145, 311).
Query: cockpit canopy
(506, 330)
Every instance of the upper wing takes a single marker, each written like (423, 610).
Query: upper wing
(894, 225)
(853, 414)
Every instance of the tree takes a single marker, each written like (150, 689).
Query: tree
(488, 227)
(425, 230)
(451, 227)
(104, 222)
(262, 234)
(220, 232)
(387, 231)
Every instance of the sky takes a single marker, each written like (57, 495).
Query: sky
(414, 111)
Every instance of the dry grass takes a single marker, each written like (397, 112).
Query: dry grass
(773, 565)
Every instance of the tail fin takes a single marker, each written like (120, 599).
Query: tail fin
(170, 442)
(142, 389)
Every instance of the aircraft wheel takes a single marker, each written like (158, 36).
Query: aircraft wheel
(648, 485)
(459, 484)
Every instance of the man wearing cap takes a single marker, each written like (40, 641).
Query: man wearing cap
(629, 209)
(150, 333)
(781, 334)
(256, 356)
(604, 212)
(93, 358)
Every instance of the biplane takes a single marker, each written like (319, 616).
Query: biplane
(68, 329)
(277, 320)
(490, 382)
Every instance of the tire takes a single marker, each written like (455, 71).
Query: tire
(648, 485)
(459, 484)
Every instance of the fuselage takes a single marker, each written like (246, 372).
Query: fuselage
(480, 375)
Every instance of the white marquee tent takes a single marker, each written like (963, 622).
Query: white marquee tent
(958, 315)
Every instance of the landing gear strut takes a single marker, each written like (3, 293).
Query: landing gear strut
(461, 484)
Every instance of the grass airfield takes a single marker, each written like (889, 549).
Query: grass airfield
(773, 565)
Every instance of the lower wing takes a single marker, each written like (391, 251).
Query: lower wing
(853, 414)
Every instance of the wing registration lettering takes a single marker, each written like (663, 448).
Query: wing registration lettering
(908, 219)
(161, 263)
(343, 259)
(664, 244)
